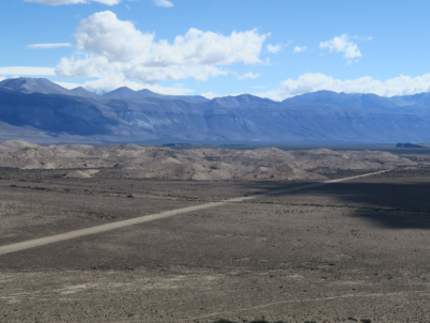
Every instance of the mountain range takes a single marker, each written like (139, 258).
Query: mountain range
(41, 111)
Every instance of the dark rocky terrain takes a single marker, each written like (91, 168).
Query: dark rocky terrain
(355, 251)
(41, 111)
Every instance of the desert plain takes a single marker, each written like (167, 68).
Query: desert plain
(354, 250)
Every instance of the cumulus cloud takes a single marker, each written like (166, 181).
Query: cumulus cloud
(299, 49)
(63, 2)
(2, 78)
(103, 34)
(101, 68)
(274, 49)
(109, 46)
(47, 46)
(27, 70)
(402, 85)
(342, 44)
(248, 76)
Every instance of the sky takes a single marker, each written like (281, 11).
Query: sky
(270, 48)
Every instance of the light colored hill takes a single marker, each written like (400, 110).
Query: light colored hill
(15, 145)
(206, 164)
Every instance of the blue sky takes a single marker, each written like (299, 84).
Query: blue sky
(272, 48)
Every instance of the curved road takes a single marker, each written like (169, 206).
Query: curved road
(125, 223)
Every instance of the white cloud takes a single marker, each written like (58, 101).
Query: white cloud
(248, 76)
(163, 3)
(65, 2)
(274, 49)
(109, 46)
(100, 67)
(342, 44)
(299, 49)
(2, 78)
(27, 70)
(402, 85)
(103, 34)
(47, 46)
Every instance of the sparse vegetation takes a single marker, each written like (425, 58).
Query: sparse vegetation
(271, 249)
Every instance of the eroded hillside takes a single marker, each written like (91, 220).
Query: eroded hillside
(208, 164)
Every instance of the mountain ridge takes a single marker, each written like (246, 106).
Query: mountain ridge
(138, 116)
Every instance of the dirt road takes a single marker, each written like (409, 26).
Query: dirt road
(125, 223)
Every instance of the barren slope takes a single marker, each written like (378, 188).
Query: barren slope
(132, 161)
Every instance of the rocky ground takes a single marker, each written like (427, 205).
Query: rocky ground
(345, 252)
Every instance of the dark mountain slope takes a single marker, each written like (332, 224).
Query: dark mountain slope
(412, 104)
(54, 113)
(421, 100)
(269, 121)
(137, 116)
(356, 100)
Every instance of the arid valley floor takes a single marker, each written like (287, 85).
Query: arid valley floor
(342, 252)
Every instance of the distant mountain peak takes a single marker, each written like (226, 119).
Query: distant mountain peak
(146, 91)
(120, 93)
(79, 88)
(123, 89)
(80, 91)
(124, 93)
(33, 85)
